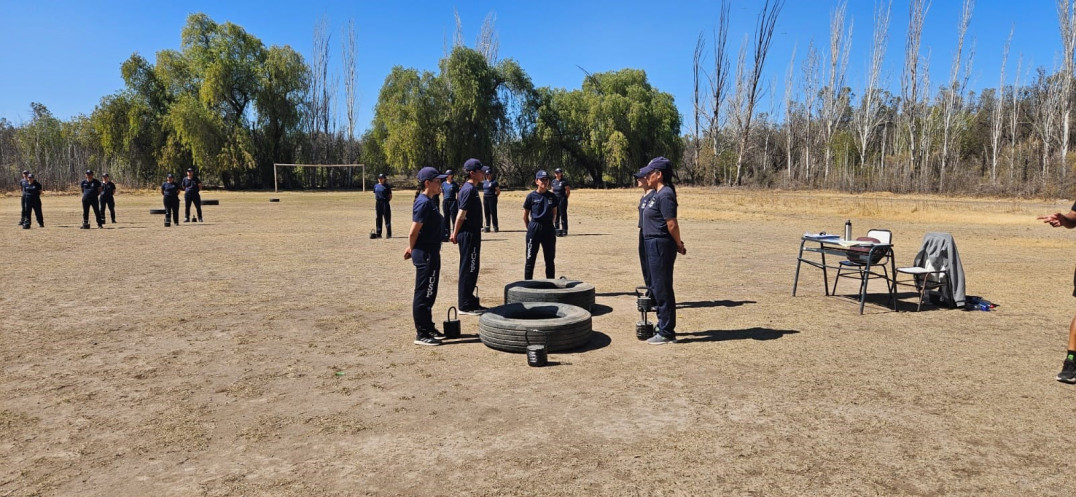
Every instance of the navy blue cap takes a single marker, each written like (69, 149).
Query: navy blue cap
(89, 171)
(190, 169)
(656, 164)
(487, 170)
(640, 173)
(381, 175)
(541, 174)
(472, 165)
(105, 175)
(25, 171)
(449, 172)
(428, 173)
(558, 170)
(170, 175)
(29, 175)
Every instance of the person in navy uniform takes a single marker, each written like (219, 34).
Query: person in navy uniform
(31, 199)
(561, 189)
(192, 186)
(450, 206)
(424, 250)
(661, 238)
(467, 233)
(382, 196)
(490, 191)
(107, 198)
(91, 189)
(539, 211)
(170, 192)
(640, 181)
(22, 187)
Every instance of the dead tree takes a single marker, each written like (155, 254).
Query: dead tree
(1045, 100)
(833, 100)
(718, 84)
(997, 116)
(954, 94)
(349, 57)
(763, 37)
(696, 105)
(789, 103)
(910, 81)
(810, 84)
(1013, 119)
(488, 43)
(1067, 23)
(866, 117)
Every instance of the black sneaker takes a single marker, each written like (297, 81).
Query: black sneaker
(1068, 372)
(437, 335)
(186, 220)
(200, 220)
(26, 226)
(167, 224)
(426, 340)
(496, 229)
(476, 311)
(85, 226)
(40, 225)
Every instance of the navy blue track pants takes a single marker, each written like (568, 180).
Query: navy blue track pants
(660, 256)
(427, 275)
(544, 236)
(470, 244)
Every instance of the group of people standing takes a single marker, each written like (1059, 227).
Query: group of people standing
(96, 194)
(191, 187)
(544, 219)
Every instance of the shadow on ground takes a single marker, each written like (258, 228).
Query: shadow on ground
(723, 335)
(713, 303)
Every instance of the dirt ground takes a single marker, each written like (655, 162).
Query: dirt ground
(268, 352)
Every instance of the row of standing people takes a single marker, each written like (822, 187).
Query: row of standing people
(96, 194)
(659, 242)
(192, 188)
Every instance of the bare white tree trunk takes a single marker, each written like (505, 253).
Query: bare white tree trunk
(349, 56)
(1046, 98)
(833, 101)
(719, 85)
(1012, 121)
(696, 108)
(810, 85)
(763, 37)
(866, 117)
(1067, 23)
(910, 79)
(488, 42)
(997, 116)
(789, 128)
(954, 95)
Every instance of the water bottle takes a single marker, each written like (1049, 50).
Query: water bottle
(983, 307)
(848, 229)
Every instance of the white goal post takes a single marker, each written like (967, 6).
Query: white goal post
(276, 183)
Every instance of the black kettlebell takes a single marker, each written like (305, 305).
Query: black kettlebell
(536, 354)
(452, 323)
(373, 234)
(643, 302)
(644, 330)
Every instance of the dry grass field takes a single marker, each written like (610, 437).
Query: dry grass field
(268, 352)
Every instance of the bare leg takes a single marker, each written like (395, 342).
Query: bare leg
(1072, 334)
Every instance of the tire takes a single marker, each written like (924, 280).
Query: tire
(559, 326)
(274, 200)
(156, 211)
(211, 202)
(561, 290)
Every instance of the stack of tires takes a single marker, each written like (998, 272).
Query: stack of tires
(554, 313)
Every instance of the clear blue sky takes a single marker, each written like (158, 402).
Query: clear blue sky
(67, 54)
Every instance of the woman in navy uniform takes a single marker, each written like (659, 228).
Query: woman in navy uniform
(192, 186)
(539, 211)
(640, 180)
(91, 189)
(467, 233)
(107, 198)
(661, 238)
(382, 196)
(561, 189)
(490, 191)
(170, 192)
(424, 250)
(22, 187)
(450, 206)
(31, 198)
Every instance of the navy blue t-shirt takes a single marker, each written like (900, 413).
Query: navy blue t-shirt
(541, 206)
(90, 187)
(31, 189)
(425, 211)
(191, 186)
(489, 187)
(382, 192)
(450, 189)
(469, 202)
(23, 183)
(642, 205)
(108, 189)
(661, 206)
(170, 190)
(558, 186)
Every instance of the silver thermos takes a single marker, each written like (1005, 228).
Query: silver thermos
(848, 229)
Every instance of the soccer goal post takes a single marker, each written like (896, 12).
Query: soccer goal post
(276, 182)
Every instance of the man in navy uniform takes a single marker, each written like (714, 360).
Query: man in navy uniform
(91, 189)
(450, 206)
(192, 185)
(382, 196)
(107, 199)
(561, 189)
(467, 233)
(22, 186)
(31, 198)
(539, 210)
(490, 191)
(170, 192)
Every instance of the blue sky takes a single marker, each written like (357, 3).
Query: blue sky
(67, 54)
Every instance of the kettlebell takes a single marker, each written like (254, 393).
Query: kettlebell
(452, 323)
(643, 302)
(536, 354)
(644, 330)
(373, 234)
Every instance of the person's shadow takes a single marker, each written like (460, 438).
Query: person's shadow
(713, 303)
(723, 335)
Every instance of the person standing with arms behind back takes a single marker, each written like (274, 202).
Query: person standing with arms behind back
(22, 187)
(1068, 369)
(490, 191)
(661, 237)
(539, 211)
(561, 189)
(382, 196)
(31, 197)
(170, 193)
(450, 206)
(640, 180)
(424, 250)
(91, 189)
(107, 198)
(192, 187)
(467, 233)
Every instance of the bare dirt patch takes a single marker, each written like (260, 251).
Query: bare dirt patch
(268, 352)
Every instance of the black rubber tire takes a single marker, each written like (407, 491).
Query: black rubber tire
(561, 290)
(274, 200)
(559, 326)
(211, 202)
(156, 211)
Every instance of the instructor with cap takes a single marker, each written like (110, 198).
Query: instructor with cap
(424, 250)
(490, 191)
(192, 186)
(661, 239)
(450, 206)
(382, 196)
(107, 198)
(31, 198)
(91, 189)
(539, 211)
(22, 187)
(170, 194)
(467, 233)
(562, 189)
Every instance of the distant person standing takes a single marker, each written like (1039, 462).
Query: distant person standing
(91, 189)
(450, 206)
(170, 194)
(382, 197)
(24, 217)
(661, 237)
(192, 187)
(490, 191)
(31, 198)
(467, 233)
(107, 198)
(424, 250)
(539, 211)
(562, 189)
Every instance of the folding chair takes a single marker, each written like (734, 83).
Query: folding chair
(858, 259)
(932, 271)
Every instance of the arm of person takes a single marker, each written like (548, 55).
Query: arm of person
(460, 216)
(497, 191)
(567, 191)
(526, 217)
(674, 232)
(412, 238)
(1058, 219)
